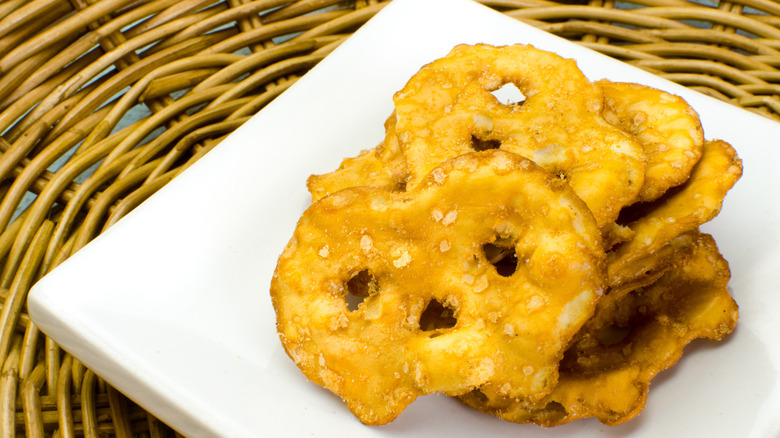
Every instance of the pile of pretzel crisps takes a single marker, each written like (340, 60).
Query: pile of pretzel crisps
(539, 260)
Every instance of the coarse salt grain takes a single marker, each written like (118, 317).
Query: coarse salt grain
(338, 322)
(481, 284)
(438, 175)
(366, 243)
(450, 217)
(509, 329)
(403, 260)
(379, 204)
(535, 302)
(483, 122)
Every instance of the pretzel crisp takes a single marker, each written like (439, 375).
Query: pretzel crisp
(665, 125)
(539, 259)
(443, 308)
(606, 373)
(447, 109)
(682, 209)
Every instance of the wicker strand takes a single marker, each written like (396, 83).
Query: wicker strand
(64, 405)
(24, 278)
(88, 410)
(9, 382)
(31, 401)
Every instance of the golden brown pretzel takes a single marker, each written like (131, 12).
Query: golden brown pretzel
(383, 167)
(649, 182)
(682, 209)
(438, 314)
(665, 125)
(447, 108)
(606, 373)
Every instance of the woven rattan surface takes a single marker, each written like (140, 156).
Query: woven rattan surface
(102, 102)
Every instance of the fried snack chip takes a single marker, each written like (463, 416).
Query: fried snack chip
(448, 109)
(474, 239)
(650, 267)
(382, 167)
(363, 170)
(682, 209)
(606, 373)
(665, 125)
(436, 314)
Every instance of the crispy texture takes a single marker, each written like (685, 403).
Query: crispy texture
(606, 373)
(428, 248)
(683, 209)
(440, 120)
(665, 125)
(647, 269)
(447, 109)
(363, 170)
(465, 265)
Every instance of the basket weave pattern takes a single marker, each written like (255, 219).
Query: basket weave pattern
(102, 102)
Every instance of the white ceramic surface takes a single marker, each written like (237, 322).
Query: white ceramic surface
(171, 305)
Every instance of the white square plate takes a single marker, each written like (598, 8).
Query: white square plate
(171, 305)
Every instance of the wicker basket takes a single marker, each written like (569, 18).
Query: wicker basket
(103, 102)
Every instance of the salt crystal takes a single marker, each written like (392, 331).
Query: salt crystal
(379, 204)
(450, 217)
(482, 284)
(402, 261)
(509, 329)
(366, 243)
(535, 302)
(438, 175)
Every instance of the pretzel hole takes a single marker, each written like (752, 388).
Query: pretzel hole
(479, 144)
(359, 287)
(554, 411)
(503, 258)
(509, 94)
(612, 334)
(479, 396)
(437, 316)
